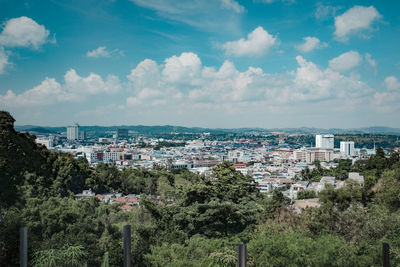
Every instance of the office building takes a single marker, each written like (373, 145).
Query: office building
(324, 141)
(72, 132)
(313, 154)
(111, 156)
(347, 148)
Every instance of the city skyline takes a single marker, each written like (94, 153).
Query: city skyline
(212, 64)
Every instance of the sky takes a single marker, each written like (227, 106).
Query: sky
(205, 63)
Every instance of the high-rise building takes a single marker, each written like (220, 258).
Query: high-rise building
(72, 132)
(82, 135)
(347, 148)
(325, 141)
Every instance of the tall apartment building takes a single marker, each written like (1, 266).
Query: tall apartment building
(72, 132)
(82, 135)
(347, 148)
(325, 141)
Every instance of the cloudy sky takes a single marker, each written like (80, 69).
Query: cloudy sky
(208, 63)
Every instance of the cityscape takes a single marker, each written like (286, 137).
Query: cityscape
(226, 133)
(273, 165)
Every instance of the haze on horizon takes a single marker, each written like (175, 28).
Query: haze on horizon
(211, 64)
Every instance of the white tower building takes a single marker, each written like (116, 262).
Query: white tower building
(347, 148)
(72, 132)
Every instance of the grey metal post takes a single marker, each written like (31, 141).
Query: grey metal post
(23, 246)
(242, 255)
(385, 254)
(127, 246)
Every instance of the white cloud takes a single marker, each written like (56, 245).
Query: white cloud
(3, 60)
(388, 101)
(258, 43)
(184, 82)
(23, 32)
(183, 69)
(392, 83)
(90, 85)
(272, 1)
(354, 20)
(208, 15)
(370, 60)
(313, 83)
(145, 75)
(323, 12)
(181, 90)
(345, 61)
(233, 5)
(310, 43)
(102, 51)
(74, 89)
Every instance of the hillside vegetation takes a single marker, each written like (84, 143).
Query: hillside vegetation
(198, 220)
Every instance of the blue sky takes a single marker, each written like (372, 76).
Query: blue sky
(209, 63)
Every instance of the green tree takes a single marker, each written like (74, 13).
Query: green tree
(19, 154)
(74, 256)
(342, 198)
(197, 251)
(221, 205)
(306, 194)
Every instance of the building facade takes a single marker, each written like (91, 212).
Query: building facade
(325, 141)
(314, 154)
(72, 132)
(347, 148)
(111, 156)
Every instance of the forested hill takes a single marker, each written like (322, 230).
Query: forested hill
(195, 221)
(162, 129)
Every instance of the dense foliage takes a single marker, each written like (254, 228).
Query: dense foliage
(198, 221)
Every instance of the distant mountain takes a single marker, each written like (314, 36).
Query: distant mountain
(161, 129)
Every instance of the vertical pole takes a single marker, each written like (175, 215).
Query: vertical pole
(385, 254)
(23, 246)
(242, 255)
(127, 246)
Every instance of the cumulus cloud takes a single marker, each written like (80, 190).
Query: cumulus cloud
(24, 32)
(345, 61)
(310, 44)
(74, 89)
(392, 83)
(233, 5)
(90, 85)
(102, 51)
(3, 60)
(145, 75)
(258, 43)
(354, 20)
(387, 101)
(183, 69)
(181, 85)
(230, 88)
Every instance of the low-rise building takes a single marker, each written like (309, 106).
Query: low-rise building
(355, 176)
